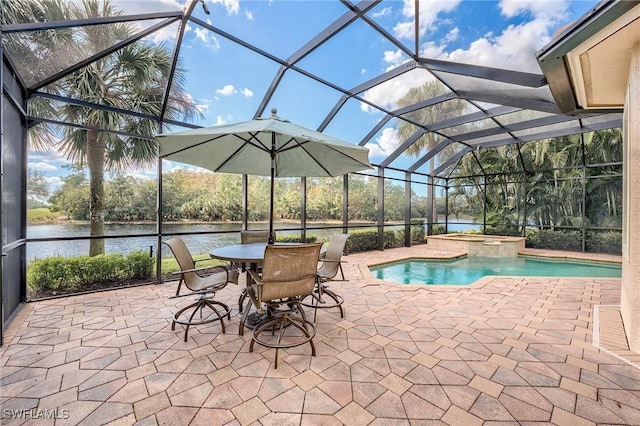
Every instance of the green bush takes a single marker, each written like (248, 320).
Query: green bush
(60, 275)
(554, 240)
(48, 274)
(506, 230)
(437, 229)
(295, 238)
(367, 240)
(139, 265)
(101, 268)
(604, 242)
(417, 231)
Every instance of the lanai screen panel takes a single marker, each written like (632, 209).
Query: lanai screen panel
(13, 197)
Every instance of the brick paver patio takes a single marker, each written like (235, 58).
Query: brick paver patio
(502, 351)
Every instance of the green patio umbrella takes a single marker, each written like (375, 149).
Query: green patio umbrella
(267, 147)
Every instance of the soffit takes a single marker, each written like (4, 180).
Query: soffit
(600, 65)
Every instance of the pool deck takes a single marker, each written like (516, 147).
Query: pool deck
(509, 351)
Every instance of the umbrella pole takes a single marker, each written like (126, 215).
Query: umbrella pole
(273, 173)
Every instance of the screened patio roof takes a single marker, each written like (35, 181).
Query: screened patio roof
(318, 72)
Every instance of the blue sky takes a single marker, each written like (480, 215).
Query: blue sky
(228, 82)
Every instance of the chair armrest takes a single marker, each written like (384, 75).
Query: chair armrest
(323, 261)
(184, 271)
(255, 276)
(253, 292)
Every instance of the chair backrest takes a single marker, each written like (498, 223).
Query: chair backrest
(184, 259)
(248, 237)
(335, 249)
(289, 271)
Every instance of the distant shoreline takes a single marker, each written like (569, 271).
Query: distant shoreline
(65, 221)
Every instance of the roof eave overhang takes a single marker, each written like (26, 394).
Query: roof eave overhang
(556, 62)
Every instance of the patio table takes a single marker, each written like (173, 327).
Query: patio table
(247, 254)
(251, 254)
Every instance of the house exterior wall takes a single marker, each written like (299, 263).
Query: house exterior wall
(630, 292)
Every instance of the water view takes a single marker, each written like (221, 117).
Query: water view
(198, 244)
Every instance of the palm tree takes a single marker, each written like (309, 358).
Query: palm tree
(134, 78)
(427, 116)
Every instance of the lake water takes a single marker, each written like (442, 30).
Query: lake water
(198, 244)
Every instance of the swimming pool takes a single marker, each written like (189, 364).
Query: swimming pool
(466, 270)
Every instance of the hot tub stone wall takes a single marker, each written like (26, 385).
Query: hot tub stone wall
(476, 245)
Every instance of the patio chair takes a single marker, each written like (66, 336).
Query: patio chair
(248, 237)
(203, 286)
(288, 275)
(330, 265)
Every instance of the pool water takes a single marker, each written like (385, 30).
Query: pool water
(464, 271)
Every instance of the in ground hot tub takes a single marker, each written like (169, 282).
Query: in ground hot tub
(478, 245)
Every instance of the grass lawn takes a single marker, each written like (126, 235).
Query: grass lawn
(169, 264)
(42, 215)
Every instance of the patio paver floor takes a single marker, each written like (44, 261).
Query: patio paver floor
(507, 350)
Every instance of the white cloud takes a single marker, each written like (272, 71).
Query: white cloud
(143, 175)
(516, 46)
(41, 166)
(513, 48)
(452, 35)
(249, 15)
(540, 9)
(404, 30)
(383, 12)
(433, 50)
(232, 6)
(171, 166)
(390, 92)
(134, 7)
(164, 34)
(226, 90)
(230, 89)
(54, 182)
(429, 16)
(385, 144)
(392, 57)
(206, 37)
(220, 120)
(202, 35)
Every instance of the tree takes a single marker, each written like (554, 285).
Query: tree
(134, 78)
(228, 195)
(37, 190)
(426, 117)
(73, 197)
(555, 171)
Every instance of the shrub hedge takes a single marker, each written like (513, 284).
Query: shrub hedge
(554, 240)
(595, 241)
(295, 238)
(64, 275)
(367, 240)
(604, 242)
(61, 274)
